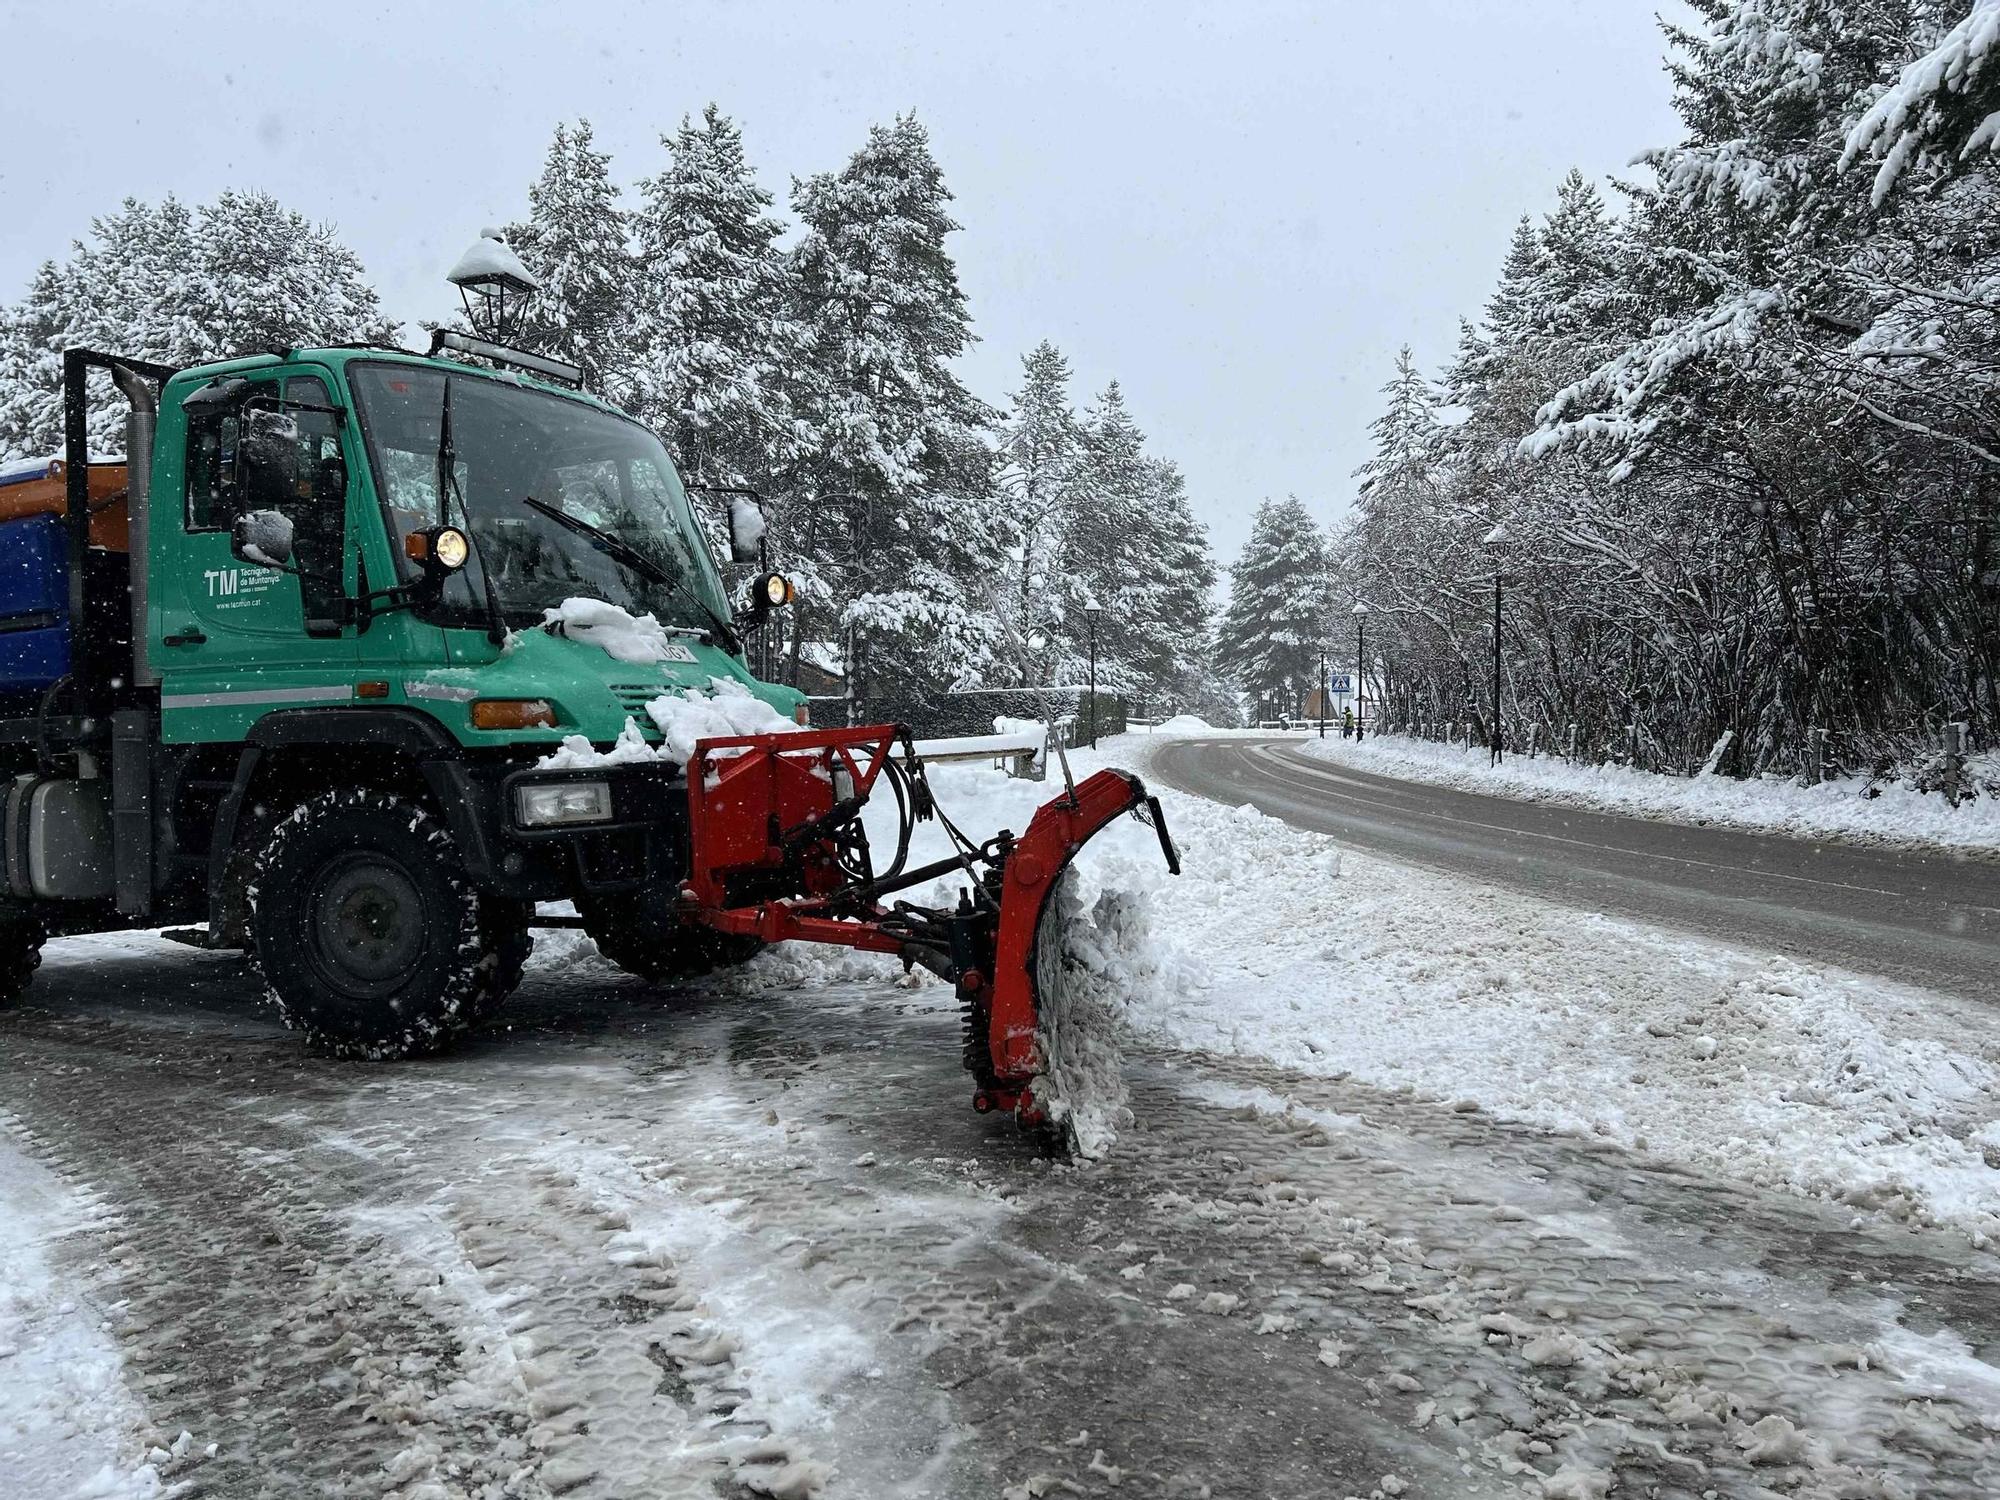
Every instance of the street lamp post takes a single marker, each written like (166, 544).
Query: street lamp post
(1360, 668)
(1091, 610)
(1494, 541)
(1322, 692)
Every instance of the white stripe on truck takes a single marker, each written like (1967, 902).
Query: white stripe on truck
(256, 696)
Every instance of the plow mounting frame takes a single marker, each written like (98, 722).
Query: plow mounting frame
(777, 851)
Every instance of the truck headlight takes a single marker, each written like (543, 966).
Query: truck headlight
(556, 802)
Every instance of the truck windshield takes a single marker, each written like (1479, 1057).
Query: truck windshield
(510, 443)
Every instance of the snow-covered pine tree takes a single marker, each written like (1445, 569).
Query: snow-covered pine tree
(1173, 659)
(1104, 538)
(1406, 436)
(895, 495)
(577, 243)
(1132, 543)
(1276, 623)
(1040, 451)
(716, 350)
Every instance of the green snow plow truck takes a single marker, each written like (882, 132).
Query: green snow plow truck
(288, 677)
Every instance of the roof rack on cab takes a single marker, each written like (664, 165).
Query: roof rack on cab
(557, 370)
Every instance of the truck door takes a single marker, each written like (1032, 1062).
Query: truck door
(236, 639)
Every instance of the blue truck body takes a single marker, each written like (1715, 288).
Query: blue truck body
(34, 597)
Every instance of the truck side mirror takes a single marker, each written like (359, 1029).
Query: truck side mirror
(263, 537)
(746, 528)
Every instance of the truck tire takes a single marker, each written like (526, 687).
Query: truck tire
(633, 931)
(20, 956)
(371, 940)
(507, 938)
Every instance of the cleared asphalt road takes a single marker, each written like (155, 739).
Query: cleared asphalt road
(1929, 919)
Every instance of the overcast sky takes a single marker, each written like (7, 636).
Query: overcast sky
(1239, 210)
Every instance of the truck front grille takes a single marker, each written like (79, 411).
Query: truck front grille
(633, 698)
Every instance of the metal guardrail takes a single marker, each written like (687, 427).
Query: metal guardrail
(1024, 753)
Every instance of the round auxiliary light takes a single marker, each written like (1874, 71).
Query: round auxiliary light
(772, 591)
(450, 547)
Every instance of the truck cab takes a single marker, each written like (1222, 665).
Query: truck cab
(371, 679)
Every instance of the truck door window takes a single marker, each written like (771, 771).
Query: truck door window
(319, 519)
(317, 504)
(211, 471)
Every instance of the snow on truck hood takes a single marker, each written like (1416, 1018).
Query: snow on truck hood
(682, 718)
(621, 635)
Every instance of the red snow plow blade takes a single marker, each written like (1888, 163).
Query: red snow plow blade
(777, 851)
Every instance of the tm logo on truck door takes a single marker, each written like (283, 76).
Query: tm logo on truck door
(237, 588)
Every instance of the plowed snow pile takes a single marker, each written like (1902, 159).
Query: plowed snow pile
(1846, 808)
(1088, 963)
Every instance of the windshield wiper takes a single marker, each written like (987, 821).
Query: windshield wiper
(619, 550)
(447, 486)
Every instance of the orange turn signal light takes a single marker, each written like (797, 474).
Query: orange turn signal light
(513, 713)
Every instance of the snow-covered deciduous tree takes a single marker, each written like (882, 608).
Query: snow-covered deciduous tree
(1741, 438)
(1277, 621)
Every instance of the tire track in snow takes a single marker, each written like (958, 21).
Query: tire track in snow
(790, 1186)
(249, 1315)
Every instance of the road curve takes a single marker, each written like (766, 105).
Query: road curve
(1928, 919)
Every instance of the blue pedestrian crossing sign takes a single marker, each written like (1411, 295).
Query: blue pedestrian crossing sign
(1340, 682)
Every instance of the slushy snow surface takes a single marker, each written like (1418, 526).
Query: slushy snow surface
(1276, 944)
(68, 1426)
(1835, 809)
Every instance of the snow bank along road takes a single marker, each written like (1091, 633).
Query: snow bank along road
(746, 1239)
(1929, 919)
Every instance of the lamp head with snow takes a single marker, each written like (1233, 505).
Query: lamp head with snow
(746, 526)
(487, 275)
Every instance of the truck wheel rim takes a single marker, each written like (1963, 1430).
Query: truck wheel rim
(367, 924)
